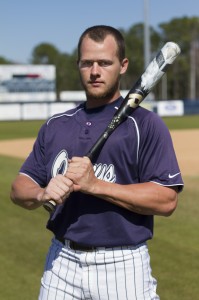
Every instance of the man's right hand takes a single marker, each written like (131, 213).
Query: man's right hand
(58, 189)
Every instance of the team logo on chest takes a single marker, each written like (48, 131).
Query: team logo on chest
(102, 171)
(60, 164)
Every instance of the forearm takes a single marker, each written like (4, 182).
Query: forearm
(143, 198)
(26, 193)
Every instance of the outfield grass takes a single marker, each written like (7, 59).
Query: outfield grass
(25, 129)
(24, 240)
(175, 247)
(19, 129)
(185, 122)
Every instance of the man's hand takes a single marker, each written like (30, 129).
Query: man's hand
(80, 171)
(58, 189)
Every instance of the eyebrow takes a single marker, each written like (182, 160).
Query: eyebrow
(99, 61)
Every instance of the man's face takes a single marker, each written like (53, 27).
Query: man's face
(100, 69)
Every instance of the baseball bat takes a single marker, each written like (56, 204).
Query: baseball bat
(151, 76)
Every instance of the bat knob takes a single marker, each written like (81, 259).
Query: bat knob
(50, 206)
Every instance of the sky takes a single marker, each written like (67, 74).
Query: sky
(25, 24)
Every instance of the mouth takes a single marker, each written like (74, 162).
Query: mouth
(96, 83)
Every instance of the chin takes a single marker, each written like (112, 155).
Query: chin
(96, 95)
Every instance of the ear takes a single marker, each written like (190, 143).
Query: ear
(124, 65)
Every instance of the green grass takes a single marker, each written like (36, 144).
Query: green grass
(19, 129)
(185, 122)
(24, 241)
(25, 129)
(174, 249)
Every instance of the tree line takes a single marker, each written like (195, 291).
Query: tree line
(182, 79)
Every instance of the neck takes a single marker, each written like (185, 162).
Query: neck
(95, 102)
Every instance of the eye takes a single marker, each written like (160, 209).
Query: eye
(89, 63)
(85, 63)
(104, 63)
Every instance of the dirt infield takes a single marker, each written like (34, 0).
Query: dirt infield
(186, 144)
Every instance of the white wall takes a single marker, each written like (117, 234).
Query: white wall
(32, 111)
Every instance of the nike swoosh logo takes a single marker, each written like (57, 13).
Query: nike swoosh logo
(173, 175)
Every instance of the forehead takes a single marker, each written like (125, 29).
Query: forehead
(91, 49)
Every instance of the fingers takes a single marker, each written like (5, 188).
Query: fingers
(79, 177)
(80, 171)
(77, 168)
(58, 189)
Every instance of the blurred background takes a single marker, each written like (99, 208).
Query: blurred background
(38, 72)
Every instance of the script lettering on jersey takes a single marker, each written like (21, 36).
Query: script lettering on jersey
(102, 171)
(105, 172)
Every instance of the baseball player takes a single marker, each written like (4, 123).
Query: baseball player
(105, 208)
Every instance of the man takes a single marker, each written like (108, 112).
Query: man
(105, 208)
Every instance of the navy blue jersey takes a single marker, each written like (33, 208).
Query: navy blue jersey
(139, 150)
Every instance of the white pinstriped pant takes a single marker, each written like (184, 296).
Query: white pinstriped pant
(122, 274)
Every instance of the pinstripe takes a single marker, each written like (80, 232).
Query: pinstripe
(125, 280)
(97, 278)
(121, 273)
(48, 276)
(67, 269)
(74, 278)
(128, 278)
(88, 275)
(133, 266)
(82, 284)
(73, 282)
(142, 272)
(115, 272)
(135, 271)
(51, 277)
(106, 276)
(149, 275)
(51, 254)
(58, 276)
(151, 280)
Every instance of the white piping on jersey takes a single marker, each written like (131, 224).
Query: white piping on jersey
(70, 115)
(137, 130)
(176, 184)
(138, 135)
(63, 114)
(21, 173)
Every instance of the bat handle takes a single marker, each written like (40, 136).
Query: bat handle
(50, 206)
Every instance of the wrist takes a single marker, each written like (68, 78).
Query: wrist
(96, 188)
(40, 196)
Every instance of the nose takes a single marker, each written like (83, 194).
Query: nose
(95, 68)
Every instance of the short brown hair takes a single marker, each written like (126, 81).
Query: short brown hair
(98, 33)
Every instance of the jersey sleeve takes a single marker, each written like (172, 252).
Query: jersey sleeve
(34, 165)
(157, 158)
